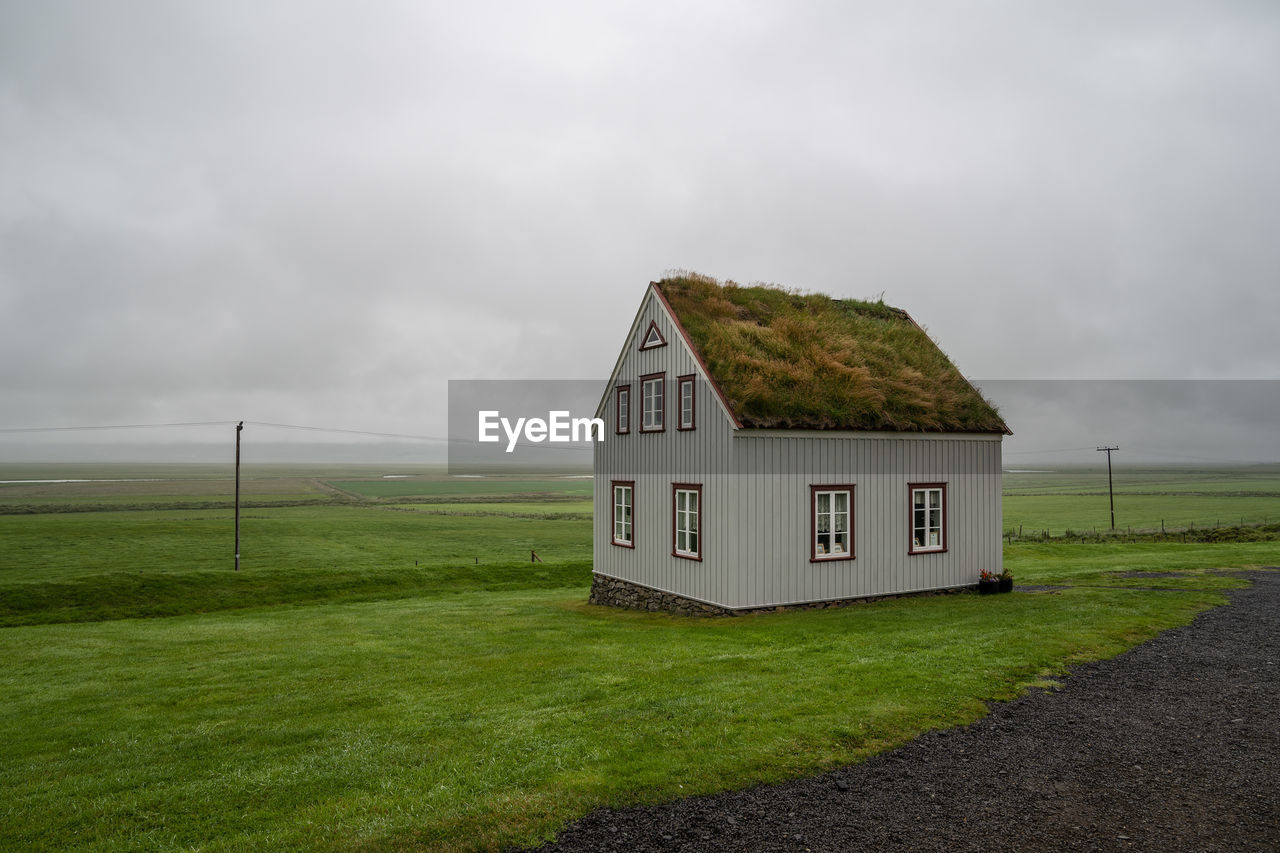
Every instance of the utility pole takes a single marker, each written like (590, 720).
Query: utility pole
(1110, 493)
(239, 427)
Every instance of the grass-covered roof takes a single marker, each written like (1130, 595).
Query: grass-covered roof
(807, 361)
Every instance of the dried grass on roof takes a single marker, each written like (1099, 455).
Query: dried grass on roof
(791, 360)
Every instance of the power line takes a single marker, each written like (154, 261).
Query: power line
(471, 441)
(299, 427)
(113, 426)
(351, 431)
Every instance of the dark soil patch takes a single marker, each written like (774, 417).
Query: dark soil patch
(1174, 745)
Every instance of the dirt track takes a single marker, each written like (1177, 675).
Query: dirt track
(1172, 746)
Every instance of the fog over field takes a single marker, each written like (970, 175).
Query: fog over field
(316, 214)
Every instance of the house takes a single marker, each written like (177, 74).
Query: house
(765, 448)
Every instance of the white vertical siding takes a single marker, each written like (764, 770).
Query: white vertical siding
(655, 461)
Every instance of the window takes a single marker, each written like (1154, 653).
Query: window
(624, 409)
(623, 508)
(652, 337)
(686, 510)
(831, 523)
(685, 384)
(653, 396)
(928, 517)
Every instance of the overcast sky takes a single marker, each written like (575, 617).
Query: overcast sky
(317, 213)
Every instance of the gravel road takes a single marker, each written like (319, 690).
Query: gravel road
(1172, 746)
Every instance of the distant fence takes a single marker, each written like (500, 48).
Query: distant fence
(1260, 531)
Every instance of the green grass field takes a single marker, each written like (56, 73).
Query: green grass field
(389, 670)
(1077, 500)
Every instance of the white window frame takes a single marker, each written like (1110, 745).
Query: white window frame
(688, 405)
(622, 399)
(653, 417)
(820, 551)
(624, 513)
(932, 529)
(686, 520)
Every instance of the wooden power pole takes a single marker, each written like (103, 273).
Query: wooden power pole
(239, 427)
(1110, 493)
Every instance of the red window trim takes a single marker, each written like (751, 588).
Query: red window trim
(652, 327)
(613, 520)
(911, 522)
(617, 409)
(687, 487)
(693, 403)
(813, 522)
(662, 427)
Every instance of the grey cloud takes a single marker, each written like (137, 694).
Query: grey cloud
(320, 212)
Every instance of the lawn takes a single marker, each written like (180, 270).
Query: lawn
(478, 720)
(94, 565)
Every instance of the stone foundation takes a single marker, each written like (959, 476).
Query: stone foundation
(613, 592)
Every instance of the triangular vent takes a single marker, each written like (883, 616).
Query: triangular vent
(652, 337)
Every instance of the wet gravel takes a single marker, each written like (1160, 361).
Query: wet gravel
(1172, 746)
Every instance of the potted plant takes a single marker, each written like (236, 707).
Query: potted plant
(988, 584)
(1005, 581)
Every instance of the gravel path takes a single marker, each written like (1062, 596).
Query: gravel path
(1172, 746)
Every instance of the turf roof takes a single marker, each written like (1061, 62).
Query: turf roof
(806, 361)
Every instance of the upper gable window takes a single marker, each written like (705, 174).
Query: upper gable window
(653, 399)
(652, 337)
(623, 413)
(685, 384)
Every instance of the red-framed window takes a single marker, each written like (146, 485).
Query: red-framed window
(927, 508)
(653, 402)
(622, 409)
(831, 523)
(687, 401)
(624, 508)
(686, 520)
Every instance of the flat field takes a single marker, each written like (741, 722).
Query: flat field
(1145, 499)
(389, 670)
